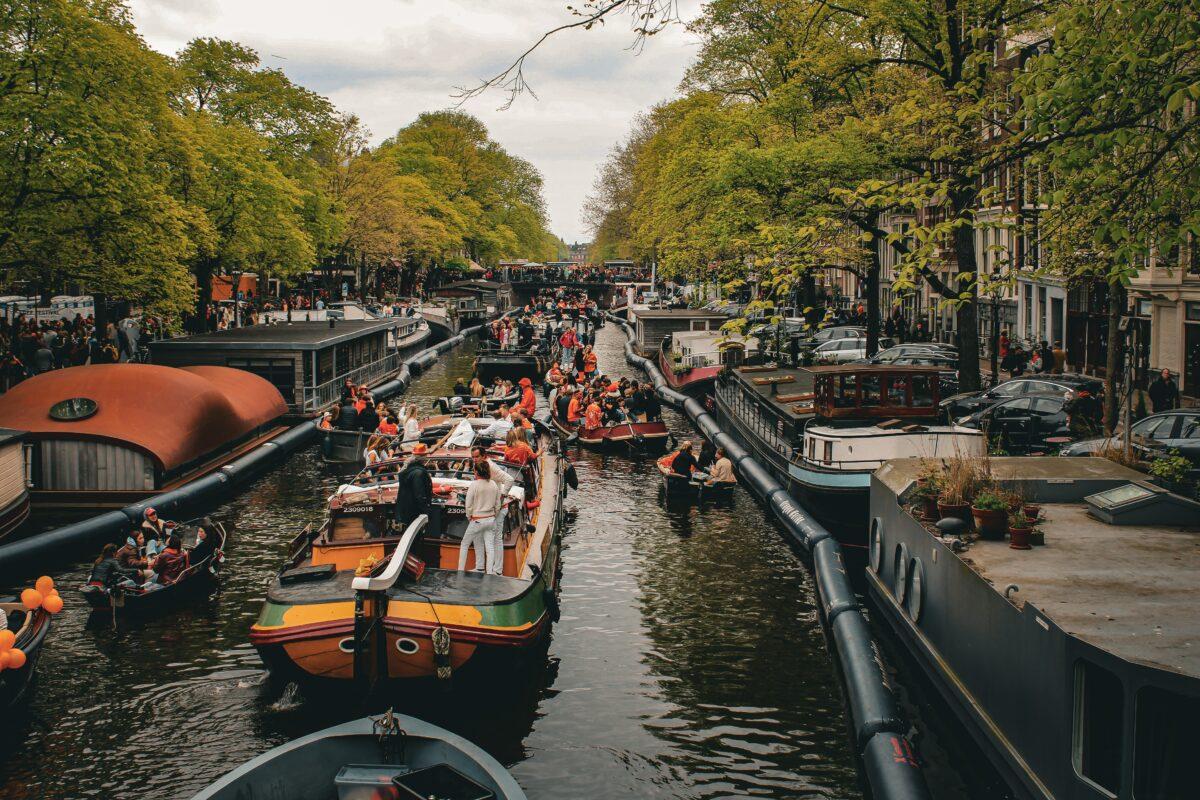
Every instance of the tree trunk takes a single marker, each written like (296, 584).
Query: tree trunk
(204, 275)
(872, 281)
(1113, 357)
(967, 315)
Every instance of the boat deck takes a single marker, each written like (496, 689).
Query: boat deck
(438, 585)
(801, 383)
(1131, 590)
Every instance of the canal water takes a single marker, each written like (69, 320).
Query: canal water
(689, 661)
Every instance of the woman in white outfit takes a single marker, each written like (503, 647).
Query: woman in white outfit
(483, 499)
(412, 425)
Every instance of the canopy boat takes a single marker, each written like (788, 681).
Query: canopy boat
(199, 579)
(31, 629)
(642, 435)
(512, 364)
(862, 416)
(393, 756)
(431, 619)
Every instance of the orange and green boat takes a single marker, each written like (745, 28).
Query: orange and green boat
(433, 619)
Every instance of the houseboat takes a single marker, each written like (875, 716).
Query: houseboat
(107, 435)
(654, 325)
(410, 334)
(690, 360)
(14, 486)
(308, 362)
(821, 431)
(433, 619)
(1074, 665)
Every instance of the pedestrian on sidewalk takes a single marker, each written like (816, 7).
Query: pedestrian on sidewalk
(1164, 393)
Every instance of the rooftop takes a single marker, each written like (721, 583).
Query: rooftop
(1133, 590)
(8, 435)
(681, 313)
(284, 336)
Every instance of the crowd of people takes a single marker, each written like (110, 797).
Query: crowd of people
(29, 346)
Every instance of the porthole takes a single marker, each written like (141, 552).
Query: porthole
(900, 573)
(916, 589)
(407, 646)
(876, 545)
(74, 408)
(346, 645)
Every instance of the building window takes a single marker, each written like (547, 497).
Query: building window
(1099, 725)
(1166, 740)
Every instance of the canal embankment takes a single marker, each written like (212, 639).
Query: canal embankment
(880, 730)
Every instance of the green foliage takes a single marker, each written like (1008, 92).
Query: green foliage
(1171, 468)
(988, 501)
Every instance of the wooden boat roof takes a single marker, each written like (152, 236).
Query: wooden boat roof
(292, 336)
(890, 369)
(174, 415)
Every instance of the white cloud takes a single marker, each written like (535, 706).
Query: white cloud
(389, 60)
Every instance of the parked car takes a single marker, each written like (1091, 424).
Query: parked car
(784, 329)
(960, 405)
(1021, 425)
(841, 350)
(889, 355)
(811, 341)
(1153, 436)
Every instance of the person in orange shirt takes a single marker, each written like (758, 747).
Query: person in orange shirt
(573, 410)
(516, 449)
(592, 418)
(528, 402)
(589, 362)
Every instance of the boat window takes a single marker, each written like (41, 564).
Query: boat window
(922, 390)
(897, 390)
(1166, 739)
(870, 390)
(847, 391)
(1099, 725)
(828, 451)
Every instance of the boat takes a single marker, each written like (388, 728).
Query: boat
(348, 447)
(640, 435)
(432, 619)
(454, 404)
(198, 580)
(690, 360)
(392, 756)
(1071, 665)
(30, 629)
(14, 491)
(821, 431)
(511, 365)
(676, 486)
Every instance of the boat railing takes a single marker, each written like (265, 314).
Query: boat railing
(395, 565)
(300, 542)
(317, 397)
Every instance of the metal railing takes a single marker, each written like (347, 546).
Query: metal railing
(317, 397)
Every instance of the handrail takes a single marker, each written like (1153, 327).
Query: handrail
(384, 580)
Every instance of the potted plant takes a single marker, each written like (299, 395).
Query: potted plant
(960, 481)
(1037, 536)
(1031, 510)
(1020, 533)
(925, 495)
(991, 514)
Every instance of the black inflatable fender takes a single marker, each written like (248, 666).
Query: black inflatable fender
(571, 476)
(29, 556)
(833, 584)
(872, 706)
(708, 425)
(892, 768)
(691, 406)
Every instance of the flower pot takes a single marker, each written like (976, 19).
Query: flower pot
(991, 524)
(929, 508)
(1019, 538)
(1031, 510)
(1037, 538)
(958, 510)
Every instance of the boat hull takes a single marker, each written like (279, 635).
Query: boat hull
(16, 684)
(642, 435)
(694, 382)
(13, 514)
(511, 367)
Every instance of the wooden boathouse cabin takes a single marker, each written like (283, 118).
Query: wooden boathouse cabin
(108, 435)
(655, 324)
(308, 362)
(14, 486)
(488, 295)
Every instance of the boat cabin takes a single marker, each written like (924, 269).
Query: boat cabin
(653, 325)
(875, 391)
(308, 362)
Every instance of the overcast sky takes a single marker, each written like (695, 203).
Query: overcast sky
(389, 60)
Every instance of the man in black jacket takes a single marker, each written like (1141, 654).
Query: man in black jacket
(414, 488)
(348, 418)
(1164, 393)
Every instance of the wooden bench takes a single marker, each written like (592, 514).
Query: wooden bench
(795, 398)
(802, 410)
(756, 369)
(774, 381)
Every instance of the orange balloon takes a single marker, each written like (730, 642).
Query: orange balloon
(16, 658)
(5, 657)
(7, 640)
(53, 593)
(32, 598)
(53, 604)
(44, 584)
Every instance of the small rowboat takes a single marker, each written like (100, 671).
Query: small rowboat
(393, 756)
(642, 435)
(31, 628)
(454, 403)
(199, 579)
(677, 486)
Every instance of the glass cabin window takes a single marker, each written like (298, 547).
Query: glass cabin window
(922, 391)
(1099, 726)
(1165, 744)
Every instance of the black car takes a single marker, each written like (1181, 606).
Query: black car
(960, 405)
(891, 354)
(1021, 425)
(1153, 436)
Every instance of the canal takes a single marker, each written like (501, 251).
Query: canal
(689, 661)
